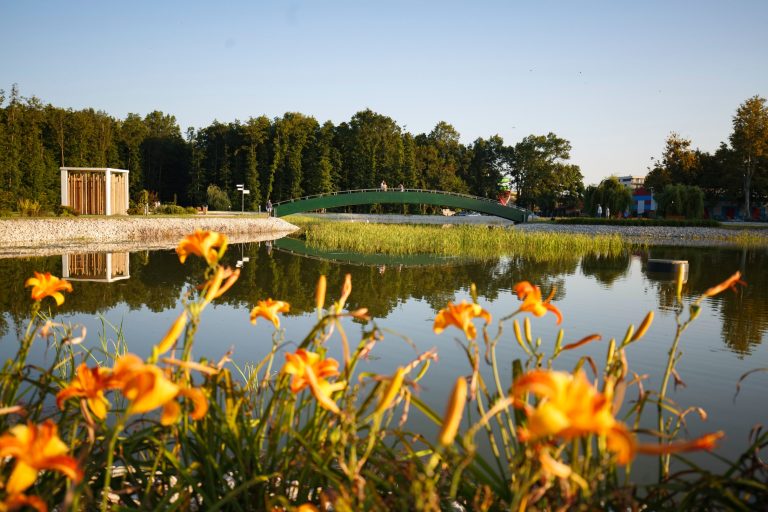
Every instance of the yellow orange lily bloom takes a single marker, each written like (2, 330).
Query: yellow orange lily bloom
(731, 283)
(19, 501)
(46, 285)
(453, 412)
(35, 448)
(90, 384)
(308, 370)
(571, 407)
(269, 309)
(461, 316)
(203, 244)
(144, 385)
(532, 303)
(147, 388)
(169, 340)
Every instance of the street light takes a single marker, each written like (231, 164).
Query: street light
(241, 188)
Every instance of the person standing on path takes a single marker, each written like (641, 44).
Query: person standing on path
(269, 208)
(599, 211)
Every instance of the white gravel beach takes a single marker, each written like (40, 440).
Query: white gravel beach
(39, 237)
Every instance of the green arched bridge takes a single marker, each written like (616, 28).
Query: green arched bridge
(396, 196)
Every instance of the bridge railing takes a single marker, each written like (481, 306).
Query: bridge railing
(394, 189)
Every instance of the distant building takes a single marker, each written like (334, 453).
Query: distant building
(643, 203)
(632, 182)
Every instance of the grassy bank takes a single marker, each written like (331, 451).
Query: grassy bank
(453, 240)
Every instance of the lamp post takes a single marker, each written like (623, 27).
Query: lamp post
(243, 190)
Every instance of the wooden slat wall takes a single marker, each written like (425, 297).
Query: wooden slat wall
(87, 192)
(119, 264)
(117, 191)
(88, 266)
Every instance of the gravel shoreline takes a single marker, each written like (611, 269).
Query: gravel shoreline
(40, 237)
(648, 235)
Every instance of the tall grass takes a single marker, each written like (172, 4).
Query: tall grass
(478, 242)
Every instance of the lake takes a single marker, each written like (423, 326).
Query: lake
(595, 294)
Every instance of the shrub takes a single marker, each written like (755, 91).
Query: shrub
(65, 211)
(218, 199)
(29, 208)
(171, 209)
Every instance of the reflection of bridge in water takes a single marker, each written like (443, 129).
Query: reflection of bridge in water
(293, 246)
(397, 196)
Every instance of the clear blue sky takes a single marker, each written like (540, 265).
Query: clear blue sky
(613, 77)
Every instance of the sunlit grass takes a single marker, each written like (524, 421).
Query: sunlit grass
(478, 242)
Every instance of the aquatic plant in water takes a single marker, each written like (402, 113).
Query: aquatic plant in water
(300, 430)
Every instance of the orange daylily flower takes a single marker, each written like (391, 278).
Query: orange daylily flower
(453, 412)
(532, 303)
(144, 385)
(571, 407)
(461, 316)
(705, 442)
(322, 285)
(169, 340)
(46, 285)
(203, 244)
(35, 448)
(346, 291)
(89, 384)
(308, 370)
(731, 283)
(147, 387)
(269, 309)
(395, 384)
(217, 286)
(19, 501)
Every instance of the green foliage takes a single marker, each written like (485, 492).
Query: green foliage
(610, 194)
(684, 200)
(540, 175)
(173, 209)
(218, 199)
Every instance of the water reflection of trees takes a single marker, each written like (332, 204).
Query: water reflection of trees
(158, 279)
(605, 268)
(744, 314)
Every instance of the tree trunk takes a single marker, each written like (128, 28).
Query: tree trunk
(747, 184)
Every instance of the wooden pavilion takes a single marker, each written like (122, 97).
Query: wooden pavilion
(95, 190)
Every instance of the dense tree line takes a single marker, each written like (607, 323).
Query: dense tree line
(281, 158)
(737, 171)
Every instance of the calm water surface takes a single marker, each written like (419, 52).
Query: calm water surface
(600, 295)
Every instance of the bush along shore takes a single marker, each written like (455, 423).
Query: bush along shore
(307, 432)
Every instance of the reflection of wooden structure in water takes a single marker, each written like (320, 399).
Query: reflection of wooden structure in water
(95, 190)
(96, 266)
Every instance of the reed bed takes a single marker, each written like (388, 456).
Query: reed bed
(478, 242)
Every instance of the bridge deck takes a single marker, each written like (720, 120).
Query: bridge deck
(407, 196)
